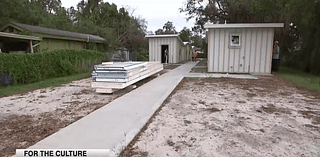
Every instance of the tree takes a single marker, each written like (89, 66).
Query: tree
(168, 28)
(185, 34)
(159, 32)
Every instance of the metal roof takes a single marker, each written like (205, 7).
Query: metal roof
(162, 36)
(55, 32)
(166, 36)
(245, 25)
(18, 36)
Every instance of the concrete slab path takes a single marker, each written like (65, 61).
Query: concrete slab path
(213, 75)
(115, 125)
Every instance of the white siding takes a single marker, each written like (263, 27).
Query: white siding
(211, 50)
(174, 47)
(253, 55)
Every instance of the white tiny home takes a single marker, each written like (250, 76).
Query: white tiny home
(177, 50)
(240, 48)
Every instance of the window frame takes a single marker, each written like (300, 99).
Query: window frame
(231, 45)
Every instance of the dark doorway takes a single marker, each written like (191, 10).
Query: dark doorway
(163, 53)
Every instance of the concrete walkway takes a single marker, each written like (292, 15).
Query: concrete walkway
(115, 125)
(215, 75)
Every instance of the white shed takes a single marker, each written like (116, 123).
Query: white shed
(186, 52)
(240, 48)
(170, 42)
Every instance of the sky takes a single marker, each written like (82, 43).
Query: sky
(155, 12)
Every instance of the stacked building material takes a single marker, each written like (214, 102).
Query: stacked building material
(111, 76)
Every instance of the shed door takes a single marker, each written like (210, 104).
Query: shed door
(237, 61)
(164, 53)
(237, 53)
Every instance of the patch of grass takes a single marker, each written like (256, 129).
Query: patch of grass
(170, 143)
(10, 104)
(41, 96)
(144, 154)
(53, 82)
(300, 78)
(186, 122)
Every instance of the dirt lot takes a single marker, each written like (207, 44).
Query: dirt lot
(233, 117)
(201, 67)
(202, 63)
(27, 118)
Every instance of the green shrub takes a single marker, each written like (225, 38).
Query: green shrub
(142, 54)
(28, 68)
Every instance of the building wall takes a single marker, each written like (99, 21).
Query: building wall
(48, 44)
(253, 56)
(155, 49)
(186, 53)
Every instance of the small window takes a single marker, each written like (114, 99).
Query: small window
(235, 40)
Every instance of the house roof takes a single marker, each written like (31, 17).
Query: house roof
(18, 36)
(55, 32)
(245, 25)
(166, 36)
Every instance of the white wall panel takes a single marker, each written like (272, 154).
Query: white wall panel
(174, 46)
(264, 50)
(258, 51)
(242, 51)
(247, 49)
(253, 56)
(269, 49)
(216, 50)
(211, 50)
(253, 49)
(226, 51)
(221, 49)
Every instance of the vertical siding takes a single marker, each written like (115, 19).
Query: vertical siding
(216, 50)
(253, 56)
(247, 49)
(221, 50)
(242, 51)
(253, 50)
(226, 52)
(155, 49)
(236, 60)
(231, 60)
(263, 50)
(269, 50)
(210, 50)
(258, 51)
(150, 48)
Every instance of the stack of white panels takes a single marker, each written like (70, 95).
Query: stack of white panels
(110, 76)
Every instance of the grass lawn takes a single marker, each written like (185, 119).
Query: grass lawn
(302, 79)
(53, 82)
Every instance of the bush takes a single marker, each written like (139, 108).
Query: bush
(142, 55)
(28, 68)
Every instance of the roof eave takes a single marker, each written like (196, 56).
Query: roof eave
(245, 25)
(18, 36)
(166, 36)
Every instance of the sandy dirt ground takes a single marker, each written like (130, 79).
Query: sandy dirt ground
(233, 117)
(201, 67)
(28, 118)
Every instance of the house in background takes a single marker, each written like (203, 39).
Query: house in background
(44, 39)
(240, 48)
(177, 50)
